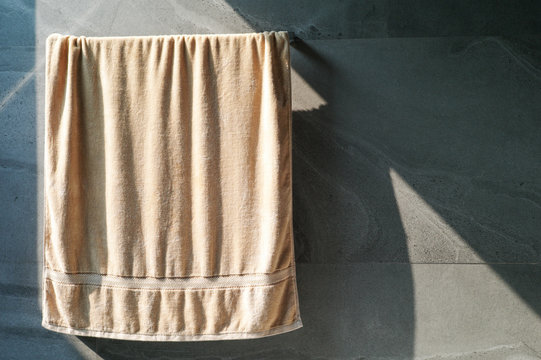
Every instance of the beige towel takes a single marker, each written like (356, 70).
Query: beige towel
(168, 189)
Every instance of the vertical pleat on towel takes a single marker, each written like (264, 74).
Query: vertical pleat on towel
(168, 189)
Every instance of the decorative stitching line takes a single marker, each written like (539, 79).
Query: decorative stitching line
(168, 283)
(217, 288)
(164, 277)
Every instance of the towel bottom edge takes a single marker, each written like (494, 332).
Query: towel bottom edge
(297, 324)
(172, 314)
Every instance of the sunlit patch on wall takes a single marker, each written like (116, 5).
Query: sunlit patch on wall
(304, 97)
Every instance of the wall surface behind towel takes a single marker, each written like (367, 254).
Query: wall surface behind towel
(417, 176)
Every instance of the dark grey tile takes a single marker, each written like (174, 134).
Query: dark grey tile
(391, 18)
(23, 337)
(17, 23)
(425, 150)
(18, 118)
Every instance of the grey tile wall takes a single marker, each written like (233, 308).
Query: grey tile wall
(417, 191)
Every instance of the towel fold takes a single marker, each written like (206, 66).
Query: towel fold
(168, 189)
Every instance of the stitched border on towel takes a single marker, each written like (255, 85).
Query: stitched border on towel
(171, 283)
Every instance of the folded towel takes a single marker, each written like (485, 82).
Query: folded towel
(168, 189)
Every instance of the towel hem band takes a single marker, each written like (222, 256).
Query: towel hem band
(196, 337)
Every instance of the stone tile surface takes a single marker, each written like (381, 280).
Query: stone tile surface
(416, 160)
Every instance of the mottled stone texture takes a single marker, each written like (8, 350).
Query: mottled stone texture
(417, 167)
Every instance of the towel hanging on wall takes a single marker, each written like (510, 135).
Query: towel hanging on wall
(168, 189)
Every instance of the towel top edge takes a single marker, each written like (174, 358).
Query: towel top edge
(165, 36)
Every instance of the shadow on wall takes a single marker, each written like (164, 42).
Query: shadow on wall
(453, 125)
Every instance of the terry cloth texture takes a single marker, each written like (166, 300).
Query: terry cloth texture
(168, 187)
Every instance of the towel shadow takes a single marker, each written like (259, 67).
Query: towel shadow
(370, 309)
